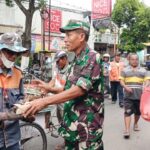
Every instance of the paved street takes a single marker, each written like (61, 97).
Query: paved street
(113, 129)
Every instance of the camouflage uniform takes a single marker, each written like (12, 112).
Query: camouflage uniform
(83, 116)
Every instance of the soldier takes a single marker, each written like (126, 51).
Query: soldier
(11, 88)
(84, 104)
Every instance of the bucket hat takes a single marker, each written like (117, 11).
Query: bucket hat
(12, 42)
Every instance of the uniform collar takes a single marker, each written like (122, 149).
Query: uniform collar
(83, 52)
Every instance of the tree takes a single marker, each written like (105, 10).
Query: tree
(29, 11)
(133, 17)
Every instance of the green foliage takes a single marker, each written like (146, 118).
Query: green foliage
(134, 19)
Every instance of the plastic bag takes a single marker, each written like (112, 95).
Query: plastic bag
(145, 104)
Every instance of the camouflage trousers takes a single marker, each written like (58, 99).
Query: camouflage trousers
(84, 145)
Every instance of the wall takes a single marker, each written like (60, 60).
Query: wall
(13, 17)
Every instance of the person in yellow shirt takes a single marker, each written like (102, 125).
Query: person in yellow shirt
(132, 79)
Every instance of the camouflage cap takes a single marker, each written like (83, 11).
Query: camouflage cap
(12, 42)
(76, 24)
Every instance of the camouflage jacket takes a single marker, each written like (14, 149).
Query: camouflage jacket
(83, 116)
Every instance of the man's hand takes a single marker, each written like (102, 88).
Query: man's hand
(146, 83)
(129, 90)
(37, 82)
(35, 107)
(29, 119)
(42, 85)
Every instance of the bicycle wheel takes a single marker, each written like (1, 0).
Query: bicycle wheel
(32, 137)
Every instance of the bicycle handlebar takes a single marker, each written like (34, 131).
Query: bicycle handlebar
(9, 116)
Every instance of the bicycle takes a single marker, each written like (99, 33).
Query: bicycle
(34, 135)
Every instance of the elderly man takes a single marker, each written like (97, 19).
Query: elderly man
(56, 85)
(132, 79)
(11, 87)
(84, 108)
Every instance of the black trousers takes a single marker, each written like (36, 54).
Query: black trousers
(116, 89)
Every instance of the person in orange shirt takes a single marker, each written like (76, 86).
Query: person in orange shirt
(115, 69)
(11, 88)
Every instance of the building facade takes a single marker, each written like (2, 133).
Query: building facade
(12, 19)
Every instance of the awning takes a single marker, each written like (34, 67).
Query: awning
(9, 28)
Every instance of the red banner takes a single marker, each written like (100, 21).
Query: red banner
(101, 9)
(55, 21)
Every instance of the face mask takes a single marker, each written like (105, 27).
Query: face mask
(7, 63)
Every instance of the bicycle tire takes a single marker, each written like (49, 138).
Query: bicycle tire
(25, 141)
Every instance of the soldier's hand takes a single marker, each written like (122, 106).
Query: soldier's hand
(35, 107)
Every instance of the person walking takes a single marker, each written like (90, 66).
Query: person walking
(82, 126)
(132, 79)
(115, 69)
(11, 88)
(106, 63)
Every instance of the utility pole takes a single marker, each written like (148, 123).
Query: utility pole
(49, 36)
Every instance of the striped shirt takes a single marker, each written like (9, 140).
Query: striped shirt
(134, 79)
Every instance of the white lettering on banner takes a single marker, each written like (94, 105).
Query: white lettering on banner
(54, 26)
(101, 9)
(55, 21)
(100, 4)
(55, 18)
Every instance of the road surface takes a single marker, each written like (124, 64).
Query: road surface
(113, 132)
